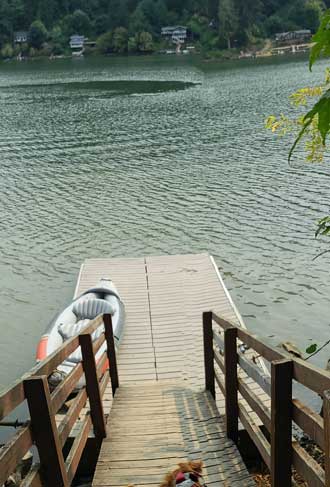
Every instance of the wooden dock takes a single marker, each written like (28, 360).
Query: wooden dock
(161, 413)
(164, 299)
(186, 389)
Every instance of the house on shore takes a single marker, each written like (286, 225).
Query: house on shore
(77, 44)
(293, 37)
(176, 34)
(21, 37)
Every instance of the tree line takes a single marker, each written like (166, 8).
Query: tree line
(123, 25)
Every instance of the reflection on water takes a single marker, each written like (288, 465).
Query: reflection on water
(188, 169)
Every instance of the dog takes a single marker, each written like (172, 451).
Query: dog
(187, 474)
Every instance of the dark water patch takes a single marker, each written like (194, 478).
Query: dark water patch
(109, 88)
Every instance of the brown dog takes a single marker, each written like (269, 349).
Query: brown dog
(189, 473)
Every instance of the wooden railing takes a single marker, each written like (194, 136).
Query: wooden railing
(246, 385)
(42, 429)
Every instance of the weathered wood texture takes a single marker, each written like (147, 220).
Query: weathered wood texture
(231, 383)
(154, 425)
(208, 353)
(281, 423)
(45, 432)
(326, 415)
(163, 341)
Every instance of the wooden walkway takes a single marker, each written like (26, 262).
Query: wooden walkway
(155, 425)
(160, 414)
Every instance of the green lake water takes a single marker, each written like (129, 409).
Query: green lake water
(156, 155)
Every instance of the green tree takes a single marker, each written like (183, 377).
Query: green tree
(228, 20)
(132, 44)
(162, 14)
(118, 13)
(145, 42)
(104, 43)
(120, 40)
(273, 24)
(80, 23)
(46, 13)
(313, 14)
(101, 24)
(7, 51)
(139, 22)
(37, 34)
(58, 40)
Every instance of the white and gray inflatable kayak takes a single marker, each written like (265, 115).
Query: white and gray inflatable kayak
(101, 299)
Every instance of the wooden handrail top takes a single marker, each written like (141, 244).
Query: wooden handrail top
(14, 395)
(311, 376)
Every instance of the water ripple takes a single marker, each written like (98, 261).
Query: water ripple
(89, 169)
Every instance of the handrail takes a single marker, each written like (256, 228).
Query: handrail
(235, 372)
(42, 431)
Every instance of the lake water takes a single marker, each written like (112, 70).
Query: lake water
(135, 156)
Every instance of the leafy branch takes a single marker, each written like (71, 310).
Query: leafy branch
(320, 112)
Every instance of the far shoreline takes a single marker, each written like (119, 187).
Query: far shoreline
(206, 58)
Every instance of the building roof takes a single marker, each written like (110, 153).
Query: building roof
(77, 37)
(293, 33)
(174, 28)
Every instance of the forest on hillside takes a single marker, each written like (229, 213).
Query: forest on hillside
(123, 25)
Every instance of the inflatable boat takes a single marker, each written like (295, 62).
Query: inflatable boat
(101, 299)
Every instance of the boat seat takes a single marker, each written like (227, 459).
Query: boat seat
(69, 330)
(88, 309)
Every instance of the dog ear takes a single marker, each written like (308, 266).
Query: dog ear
(197, 465)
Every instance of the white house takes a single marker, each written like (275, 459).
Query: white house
(21, 37)
(177, 33)
(296, 36)
(77, 42)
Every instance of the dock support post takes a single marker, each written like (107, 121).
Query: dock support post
(208, 352)
(92, 385)
(231, 383)
(281, 423)
(326, 417)
(111, 351)
(45, 433)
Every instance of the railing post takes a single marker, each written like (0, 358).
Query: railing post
(45, 433)
(208, 352)
(231, 383)
(111, 352)
(92, 385)
(281, 423)
(326, 417)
